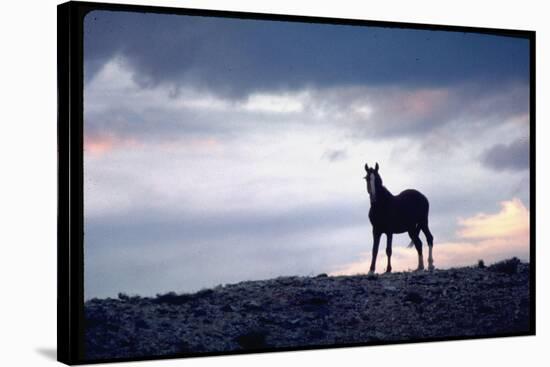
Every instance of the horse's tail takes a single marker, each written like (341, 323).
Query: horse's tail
(417, 230)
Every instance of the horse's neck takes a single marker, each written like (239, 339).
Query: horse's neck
(383, 197)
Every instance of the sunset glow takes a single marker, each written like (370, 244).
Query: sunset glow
(488, 237)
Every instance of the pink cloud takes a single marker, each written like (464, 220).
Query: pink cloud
(424, 102)
(490, 237)
(100, 144)
(197, 144)
(511, 221)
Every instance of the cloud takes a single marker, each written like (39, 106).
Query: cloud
(426, 112)
(117, 104)
(491, 237)
(335, 155)
(274, 103)
(152, 250)
(146, 224)
(511, 221)
(101, 144)
(238, 57)
(513, 156)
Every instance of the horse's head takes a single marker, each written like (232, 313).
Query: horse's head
(374, 181)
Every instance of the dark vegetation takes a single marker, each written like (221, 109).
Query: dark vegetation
(314, 311)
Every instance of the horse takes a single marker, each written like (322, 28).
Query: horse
(389, 214)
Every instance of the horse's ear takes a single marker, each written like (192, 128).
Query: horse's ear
(376, 167)
(366, 167)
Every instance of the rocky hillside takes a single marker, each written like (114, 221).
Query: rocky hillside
(313, 311)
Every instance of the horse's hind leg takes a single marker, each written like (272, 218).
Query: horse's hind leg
(388, 251)
(413, 234)
(430, 240)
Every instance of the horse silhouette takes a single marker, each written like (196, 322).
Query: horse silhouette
(389, 214)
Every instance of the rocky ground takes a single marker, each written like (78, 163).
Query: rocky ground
(313, 311)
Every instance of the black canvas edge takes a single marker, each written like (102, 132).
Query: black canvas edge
(70, 260)
(70, 228)
(532, 180)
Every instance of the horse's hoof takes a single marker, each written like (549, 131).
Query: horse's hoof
(431, 267)
(388, 270)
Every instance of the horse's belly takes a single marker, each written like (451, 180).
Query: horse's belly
(399, 229)
(393, 223)
(392, 228)
(401, 226)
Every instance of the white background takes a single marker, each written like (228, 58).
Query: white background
(28, 182)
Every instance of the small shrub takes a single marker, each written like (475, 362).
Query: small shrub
(481, 264)
(126, 298)
(172, 298)
(509, 266)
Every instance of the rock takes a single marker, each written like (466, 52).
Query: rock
(298, 311)
(252, 306)
(229, 308)
(316, 334)
(141, 324)
(413, 297)
(199, 313)
(372, 276)
(204, 293)
(294, 321)
(378, 336)
(253, 340)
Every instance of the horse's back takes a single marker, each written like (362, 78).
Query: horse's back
(413, 196)
(406, 210)
(412, 203)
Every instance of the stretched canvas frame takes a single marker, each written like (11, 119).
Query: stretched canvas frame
(71, 236)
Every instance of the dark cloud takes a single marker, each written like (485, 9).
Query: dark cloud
(335, 155)
(423, 113)
(154, 125)
(513, 156)
(464, 108)
(418, 81)
(236, 56)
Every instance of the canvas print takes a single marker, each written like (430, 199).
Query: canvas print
(272, 184)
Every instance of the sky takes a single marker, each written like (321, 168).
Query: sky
(218, 150)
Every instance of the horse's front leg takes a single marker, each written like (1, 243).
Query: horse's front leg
(376, 237)
(388, 251)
